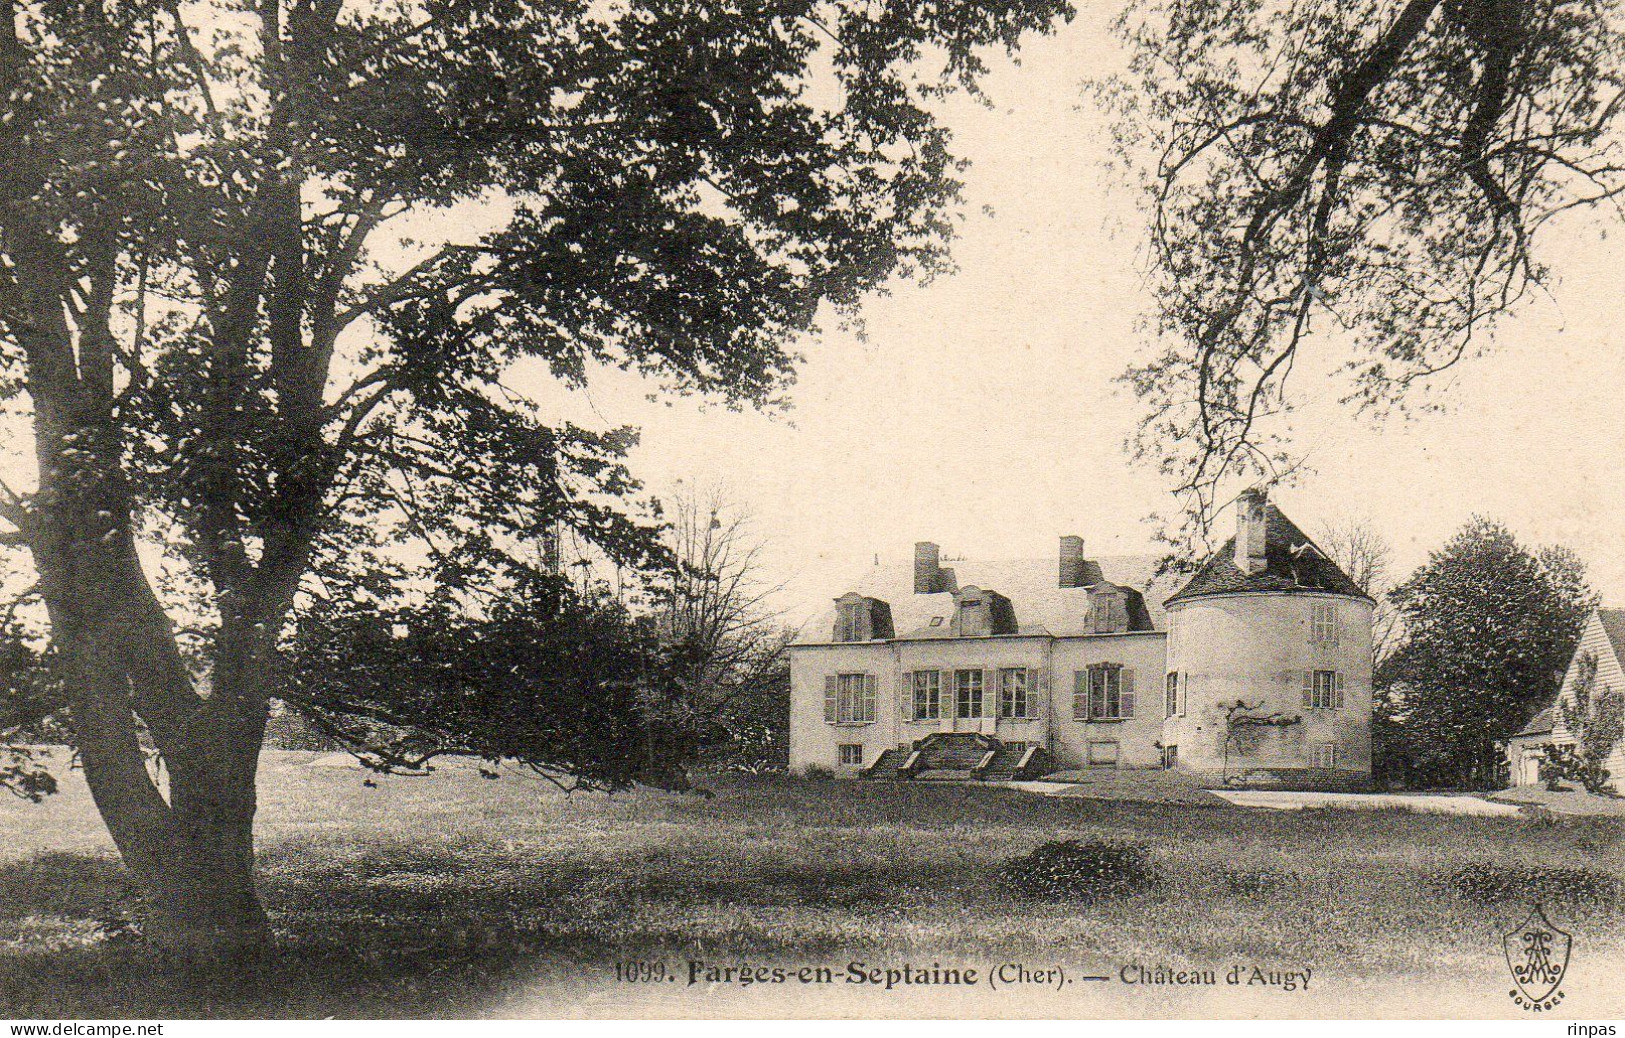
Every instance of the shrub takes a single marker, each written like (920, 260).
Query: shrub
(1489, 883)
(1566, 764)
(1069, 870)
(819, 773)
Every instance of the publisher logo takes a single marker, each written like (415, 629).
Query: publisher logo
(1538, 955)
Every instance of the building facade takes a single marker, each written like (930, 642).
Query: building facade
(1601, 650)
(1257, 671)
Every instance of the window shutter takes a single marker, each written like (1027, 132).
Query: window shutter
(871, 685)
(1184, 688)
(1309, 688)
(905, 695)
(830, 682)
(1080, 695)
(990, 690)
(1126, 692)
(1338, 698)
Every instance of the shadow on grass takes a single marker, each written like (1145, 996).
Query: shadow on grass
(403, 933)
(420, 922)
(343, 949)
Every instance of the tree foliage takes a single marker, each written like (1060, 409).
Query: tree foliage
(265, 266)
(1369, 177)
(1488, 630)
(563, 686)
(1595, 718)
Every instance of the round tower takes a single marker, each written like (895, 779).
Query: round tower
(1268, 681)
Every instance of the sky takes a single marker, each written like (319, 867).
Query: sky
(983, 412)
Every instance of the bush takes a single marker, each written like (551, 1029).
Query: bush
(1069, 870)
(1492, 883)
(1566, 764)
(819, 773)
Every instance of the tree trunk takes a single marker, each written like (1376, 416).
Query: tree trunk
(203, 901)
(192, 855)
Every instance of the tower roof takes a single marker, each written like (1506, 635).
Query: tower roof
(1292, 562)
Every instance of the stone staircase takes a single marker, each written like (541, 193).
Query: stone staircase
(1018, 762)
(888, 765)
(960, 757)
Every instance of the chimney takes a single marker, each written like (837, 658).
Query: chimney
(927, 568)
(1251, 527)
(1071, 561)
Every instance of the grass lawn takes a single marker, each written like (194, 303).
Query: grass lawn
(455, 895)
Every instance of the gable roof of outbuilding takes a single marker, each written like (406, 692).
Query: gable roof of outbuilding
(1292, 562)
(1613, 625)
(1540, 724)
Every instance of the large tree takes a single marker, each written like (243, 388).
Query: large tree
(1488, 629)
(1361, 551)
(1369, 177)
(247, 315)
(726, 643)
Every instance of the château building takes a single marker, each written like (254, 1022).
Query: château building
(1253, 670)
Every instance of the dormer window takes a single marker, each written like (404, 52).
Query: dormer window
(861, 619)
(979, 613)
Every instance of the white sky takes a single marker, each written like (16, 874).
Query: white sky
(982, 412)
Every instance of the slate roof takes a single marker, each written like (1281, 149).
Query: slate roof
(1540, 724)
(1041, 607)
(1613, 625)
(1292, 563)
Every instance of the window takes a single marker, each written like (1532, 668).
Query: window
(936, 621)
(1325, 755)
(927, 695)
(1019, 747)
(1170, 756)
(1323, 629)
(1323, 690)
(1107, 610)
(849, 625)
(1013, 692)
(1104, 692)
(1170, 705)
(1104, 752)
(849, 698)
(967, 693)
(851, 754)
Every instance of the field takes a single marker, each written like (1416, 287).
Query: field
(455, 895)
